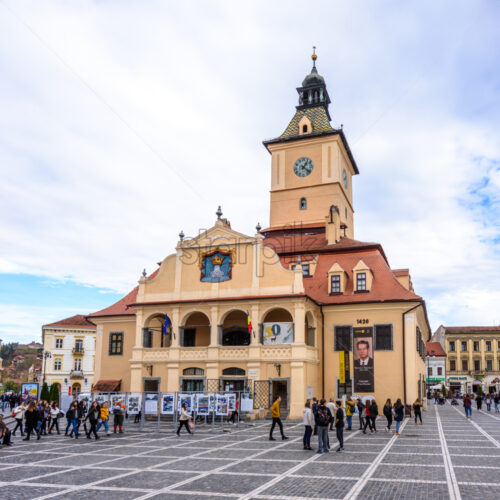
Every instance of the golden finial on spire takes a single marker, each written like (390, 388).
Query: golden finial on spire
(314, 56)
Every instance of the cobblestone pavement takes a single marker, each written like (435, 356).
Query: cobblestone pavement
(447, 457)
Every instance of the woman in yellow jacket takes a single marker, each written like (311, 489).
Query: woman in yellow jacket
(104, 418)
(276, 414)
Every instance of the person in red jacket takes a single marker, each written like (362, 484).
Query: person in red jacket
(468, 406)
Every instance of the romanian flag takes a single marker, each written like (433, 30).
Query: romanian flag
(249, 323)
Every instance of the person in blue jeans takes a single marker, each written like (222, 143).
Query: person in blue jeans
(468, 406)
(308, 421)
(73, 416)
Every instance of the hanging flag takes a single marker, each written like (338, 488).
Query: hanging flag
(250, 328)
(166, 325)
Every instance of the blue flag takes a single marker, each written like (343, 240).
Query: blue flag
(166, 325)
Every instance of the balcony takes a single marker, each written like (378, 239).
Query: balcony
(75, 374)
(78, 350)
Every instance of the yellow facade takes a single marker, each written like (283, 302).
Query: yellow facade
(283, 278)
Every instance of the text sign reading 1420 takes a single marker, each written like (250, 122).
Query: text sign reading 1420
(362, 321)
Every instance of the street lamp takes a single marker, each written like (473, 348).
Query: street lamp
(46, 355)
(427, 357)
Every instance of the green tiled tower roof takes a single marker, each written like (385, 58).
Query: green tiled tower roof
(319, 121)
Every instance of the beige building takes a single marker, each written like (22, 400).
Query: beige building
(473, 356)
(69, 354)
(317, 299)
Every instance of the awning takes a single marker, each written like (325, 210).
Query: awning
(476, 382)
(107, 386)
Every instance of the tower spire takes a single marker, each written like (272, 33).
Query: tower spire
(314, 56)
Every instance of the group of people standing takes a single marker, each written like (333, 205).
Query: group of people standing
(488, 399)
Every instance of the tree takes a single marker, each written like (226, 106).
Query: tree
(54, 393)
(10, 385)
(479, 390)
(45, 395)
(443, 390)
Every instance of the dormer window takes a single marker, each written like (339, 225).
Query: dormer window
(305, 126)
(304, 129)
(335, 283)
(303, 204)
(337, 280)
(361, 282)
(363, 278)
(305, 269)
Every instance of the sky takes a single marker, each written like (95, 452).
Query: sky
(124, 122)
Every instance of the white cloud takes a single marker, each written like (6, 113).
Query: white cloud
(124, 122)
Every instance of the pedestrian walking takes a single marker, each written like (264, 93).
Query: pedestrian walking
(323, 419)
(308, 421)
(488, 402)
(496, 400)
(388, 414)
(82, 413)
(104, 420)
(234, 414)
(373, 414)
(73, 415)
(184, 419)
(93, 416)
(399, 411)
(417, 411)
(366, 416)
(467, 406)
(32, 417)
(479, 402)
(314, 408)
(55, 415)
(339, 426)
(349, 412)
(331, 406)
(361, 411)
(18, 414)
(276, 416)
(4, 433)
(118, 410)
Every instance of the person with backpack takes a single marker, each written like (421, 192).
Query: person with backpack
(323, 419)
(339, 425)
(118, 413)
(349, 412)
(276, 416)
(417, 411)
(104, 420)
(314, 408)
(467, 406)
(399, 411)
(388, 414)
(368, 421)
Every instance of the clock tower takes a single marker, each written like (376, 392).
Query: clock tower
(311, 163)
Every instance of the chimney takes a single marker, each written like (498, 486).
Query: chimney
(333, 225)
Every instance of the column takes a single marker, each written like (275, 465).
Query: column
(299, 323)
(254, 316)
(214, 324)
(297, 388)
(175, 318)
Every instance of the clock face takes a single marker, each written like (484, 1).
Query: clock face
(344, 177)
(303, 167)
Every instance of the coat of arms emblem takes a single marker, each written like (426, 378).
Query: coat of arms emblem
(216, 266)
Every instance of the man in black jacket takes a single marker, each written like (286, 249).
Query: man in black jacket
(339, 425)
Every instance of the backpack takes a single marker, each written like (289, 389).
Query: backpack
(323, 416)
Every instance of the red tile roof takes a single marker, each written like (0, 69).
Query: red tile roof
(434, 349)
(400, 272)
(119, 308)
(78, 321)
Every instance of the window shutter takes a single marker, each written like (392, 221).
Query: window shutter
(261, 333)
(181, 336)
(220, 332)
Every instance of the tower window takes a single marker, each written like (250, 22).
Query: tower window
(303, 201)
(304, 129)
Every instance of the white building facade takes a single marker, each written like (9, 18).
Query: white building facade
(69, 354)
(435, 364)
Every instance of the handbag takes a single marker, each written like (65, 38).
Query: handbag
(13, 414)
(191, 424)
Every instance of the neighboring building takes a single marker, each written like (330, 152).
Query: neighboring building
(312, 293)
(436, 364)
(473, 356)
(70, 344)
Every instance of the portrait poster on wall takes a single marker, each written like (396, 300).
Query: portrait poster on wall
(185, 398)
(151, 403)
(134, 403)
(222, 404)
(231, 402)
(202, 404)
(167, 404)
(363, 359)
(246, 403)
(278, 333)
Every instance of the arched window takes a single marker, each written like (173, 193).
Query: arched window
(304, 129)
(233, 371)
(303, 201)
(193, 371)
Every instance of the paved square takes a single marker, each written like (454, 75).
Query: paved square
(447, 457)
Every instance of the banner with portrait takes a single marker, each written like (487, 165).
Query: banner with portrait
(363, 359)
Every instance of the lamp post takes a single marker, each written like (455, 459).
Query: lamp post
(46, 355)
(427, 374)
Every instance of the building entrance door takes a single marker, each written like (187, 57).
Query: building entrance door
(280, 388)
(151, 385)
(193, 385)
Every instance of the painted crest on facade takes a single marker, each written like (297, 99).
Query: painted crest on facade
(216, 266)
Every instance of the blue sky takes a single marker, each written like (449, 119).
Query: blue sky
(124, 122)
